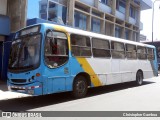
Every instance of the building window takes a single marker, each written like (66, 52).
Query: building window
(104, 2)
(101, 48)
(118, 32)
(121, 5)
(80, 20)
(96, 14)
(95, 26)
(133, 12)
(134, 37)
(80, 45)
(127, 34)
(57, 13)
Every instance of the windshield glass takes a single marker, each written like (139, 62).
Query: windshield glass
(25, 53)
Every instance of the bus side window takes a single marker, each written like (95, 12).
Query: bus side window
(48, 46)
(118, 50)
(158, 52)
(56, 49)
(150, 54)
(101, 48)
(141, 52)
(80, 45)
(131, 51)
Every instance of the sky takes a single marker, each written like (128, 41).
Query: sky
(33, 9)
(146, 19)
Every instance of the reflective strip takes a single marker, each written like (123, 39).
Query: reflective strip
(36, 86)
(17, 87)
(33, 87)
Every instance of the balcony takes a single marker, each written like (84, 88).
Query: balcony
(145, 4)
(120, 15)
(104, 8)
(88, 2)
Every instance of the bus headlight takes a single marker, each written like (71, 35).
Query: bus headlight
(30, 80)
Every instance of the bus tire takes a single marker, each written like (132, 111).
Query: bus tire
(139, 78)
(80, 87)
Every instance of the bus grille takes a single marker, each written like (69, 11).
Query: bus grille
(18, 80)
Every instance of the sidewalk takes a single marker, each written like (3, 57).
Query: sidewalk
(5, 94)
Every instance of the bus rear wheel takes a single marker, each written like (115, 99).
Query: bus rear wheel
(139, 78)
(80, 87)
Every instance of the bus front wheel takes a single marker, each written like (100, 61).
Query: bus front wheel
(80, 87)
(139, 78)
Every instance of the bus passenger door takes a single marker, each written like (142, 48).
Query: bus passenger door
(57, 62)
(56, 81)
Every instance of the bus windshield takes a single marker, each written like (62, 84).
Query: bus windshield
(25, 53)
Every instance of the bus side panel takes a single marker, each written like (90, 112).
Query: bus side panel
(55, 80)
(74, 68)
(147, 67)
(79, 65)
(101, 68)
(128, 70)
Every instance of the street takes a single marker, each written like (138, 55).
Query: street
(120, 97)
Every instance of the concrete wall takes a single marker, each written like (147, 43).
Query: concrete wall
(3, 7)
(17, 13)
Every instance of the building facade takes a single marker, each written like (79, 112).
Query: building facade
(12, 17)
(118, 18)
(142, 38)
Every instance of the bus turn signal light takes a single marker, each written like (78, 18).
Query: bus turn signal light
(38, 74)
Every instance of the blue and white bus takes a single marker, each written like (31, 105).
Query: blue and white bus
(157, 45)
(49, 58)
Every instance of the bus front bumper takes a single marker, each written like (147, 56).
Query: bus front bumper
(34, 89)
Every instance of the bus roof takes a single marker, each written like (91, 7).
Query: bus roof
(92, 34)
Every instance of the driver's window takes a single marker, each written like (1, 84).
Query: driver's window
(56, 49)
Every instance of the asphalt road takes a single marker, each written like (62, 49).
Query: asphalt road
(120, 97)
